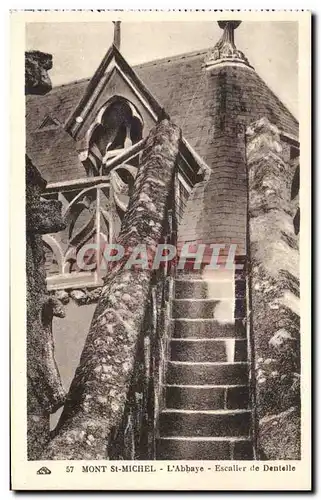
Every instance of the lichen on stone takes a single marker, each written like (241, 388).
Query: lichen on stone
(117, 324)
(274, 279)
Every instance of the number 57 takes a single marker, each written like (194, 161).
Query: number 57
(69, 468)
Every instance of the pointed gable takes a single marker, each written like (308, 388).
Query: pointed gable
(114, 77)
(80, 107)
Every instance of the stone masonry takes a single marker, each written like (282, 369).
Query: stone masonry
(274, 288)
(97, 396)
(45, 393)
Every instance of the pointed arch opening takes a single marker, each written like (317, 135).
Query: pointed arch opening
(117, 127)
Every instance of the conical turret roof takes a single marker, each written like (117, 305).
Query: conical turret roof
(214, 95)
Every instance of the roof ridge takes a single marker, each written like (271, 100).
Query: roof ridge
(153, 62)
(72, 82)
(176, 57)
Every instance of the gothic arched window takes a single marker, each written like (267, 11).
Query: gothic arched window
(118, 126)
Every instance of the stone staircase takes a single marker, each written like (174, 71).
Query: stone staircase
(207, 414)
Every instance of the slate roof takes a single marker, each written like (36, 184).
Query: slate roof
(181, 86)
(213, 108)
(53, 150)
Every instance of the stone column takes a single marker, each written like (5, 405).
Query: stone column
(45, 393)
(274, 293)
(97, 397)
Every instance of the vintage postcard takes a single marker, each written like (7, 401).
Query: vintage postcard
(160, 307)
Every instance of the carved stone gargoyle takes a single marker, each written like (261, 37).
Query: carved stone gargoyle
(45, 392)
(37, 65)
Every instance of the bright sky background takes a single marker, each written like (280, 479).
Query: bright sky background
(77, 48)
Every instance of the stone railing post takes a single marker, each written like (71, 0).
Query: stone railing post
(45, 393)
(274, 289)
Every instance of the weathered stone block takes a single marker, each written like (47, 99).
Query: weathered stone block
(37, 65)
(274, 285)
(280, 436)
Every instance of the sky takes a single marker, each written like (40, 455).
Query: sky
(78, 48)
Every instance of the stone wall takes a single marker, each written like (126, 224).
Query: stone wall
(274, 292)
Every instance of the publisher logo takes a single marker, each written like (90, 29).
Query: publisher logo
(44, 470)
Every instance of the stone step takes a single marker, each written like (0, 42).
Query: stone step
(207, 397)
(198, 350)
(220, 310)
(195, 448)
(183, 373)
(201, 289)
(207, 328)
(221, 274)
(205, 423)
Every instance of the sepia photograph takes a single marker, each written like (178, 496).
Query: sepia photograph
(162, 243)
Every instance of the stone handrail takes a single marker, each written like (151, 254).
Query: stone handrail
(135, 438)
(97, 397)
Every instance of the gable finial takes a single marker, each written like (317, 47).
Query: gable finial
(225, 49)
(116, 41)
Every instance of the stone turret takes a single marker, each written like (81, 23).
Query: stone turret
(234, 96)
